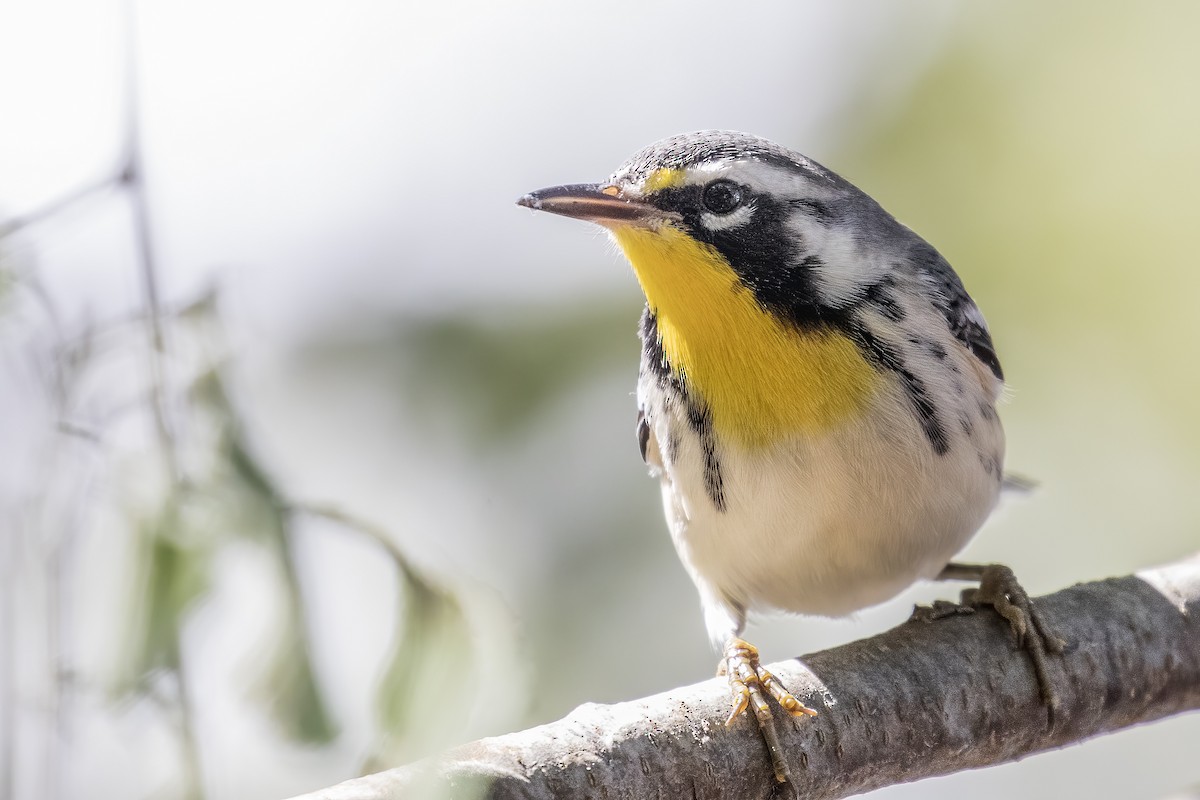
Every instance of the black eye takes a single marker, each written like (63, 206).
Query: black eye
(722, 197)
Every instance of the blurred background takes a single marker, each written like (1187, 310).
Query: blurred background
(317, 454)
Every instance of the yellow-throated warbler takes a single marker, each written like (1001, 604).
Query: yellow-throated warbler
(817, 392)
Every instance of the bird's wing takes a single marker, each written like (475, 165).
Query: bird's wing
(643, 433)
(962, 315)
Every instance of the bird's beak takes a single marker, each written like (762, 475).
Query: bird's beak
(595, 202)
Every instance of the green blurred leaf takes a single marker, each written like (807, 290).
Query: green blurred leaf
(174, 576)
(428, 673)
(289, 689)
(231, 496)
(493, 372)
(242, 485)
(239, 486)
(427, 684)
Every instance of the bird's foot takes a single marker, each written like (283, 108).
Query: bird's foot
(940, 609)
(749, 684)
(999, 588)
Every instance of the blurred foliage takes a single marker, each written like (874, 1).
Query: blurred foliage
(224, 497)
(232, 497)
(176, 576)
(494, 371)
(201, 488)
(433, 618)
(428, 677)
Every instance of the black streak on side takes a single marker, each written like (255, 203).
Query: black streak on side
(701, 421)
(881, 296)
(656, 360)
(967, 426)
(886, 357)
(698, 416)
(991, 465)
(937, 351)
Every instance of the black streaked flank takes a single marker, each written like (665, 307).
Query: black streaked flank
(652, 349)
(700, 421)
(672, 446)
(967, 426)
(881, 296)
(714, 484)
(886, 356)
(936, 350)
(991, 465)
(699, 418)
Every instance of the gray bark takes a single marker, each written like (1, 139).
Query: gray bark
(924, 699)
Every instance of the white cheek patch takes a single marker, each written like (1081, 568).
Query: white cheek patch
(845, 268)
(723, 222)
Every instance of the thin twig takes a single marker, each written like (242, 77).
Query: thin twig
(59, 205)
(373, 532)
(132, 177)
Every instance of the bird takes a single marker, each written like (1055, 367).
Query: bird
(817, 395)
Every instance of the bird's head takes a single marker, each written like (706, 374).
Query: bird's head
(801, 239)
(778, 293)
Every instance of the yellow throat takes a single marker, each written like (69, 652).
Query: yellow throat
(761, 377)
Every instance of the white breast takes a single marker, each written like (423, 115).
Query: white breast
(829, 524)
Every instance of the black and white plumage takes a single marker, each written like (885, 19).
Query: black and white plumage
(817, 393)
(833, 522)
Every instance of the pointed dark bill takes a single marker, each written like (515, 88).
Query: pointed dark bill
(594, 202)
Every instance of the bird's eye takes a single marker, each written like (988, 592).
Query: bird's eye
(722, 197)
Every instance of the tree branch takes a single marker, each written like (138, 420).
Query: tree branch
(921, 700)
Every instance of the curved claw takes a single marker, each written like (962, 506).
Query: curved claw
(741, 699)
(786, 699)
(749, 683)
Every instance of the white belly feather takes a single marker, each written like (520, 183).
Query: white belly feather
(823, 525)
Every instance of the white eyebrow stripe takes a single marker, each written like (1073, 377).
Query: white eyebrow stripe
(778, 182)
(762, 178)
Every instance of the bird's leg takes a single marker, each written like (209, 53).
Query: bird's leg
(998, 588)
(749, 683)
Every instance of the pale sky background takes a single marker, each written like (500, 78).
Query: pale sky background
(336, 168)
